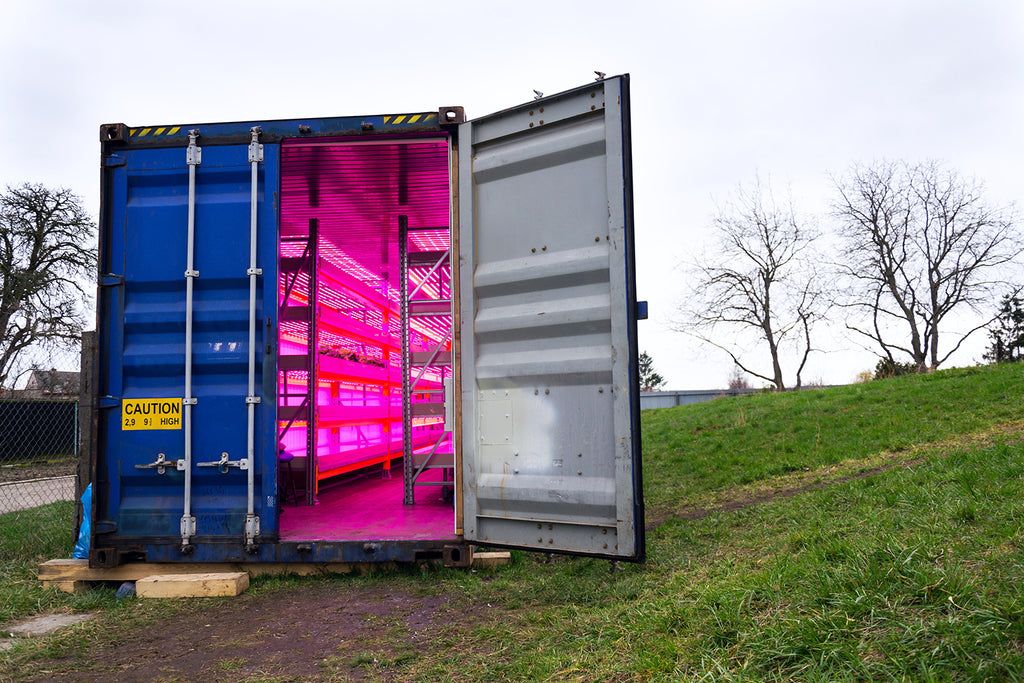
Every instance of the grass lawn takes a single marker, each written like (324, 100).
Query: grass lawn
(869, 532)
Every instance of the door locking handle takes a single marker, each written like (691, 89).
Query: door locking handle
(225, 463)
(161, 464)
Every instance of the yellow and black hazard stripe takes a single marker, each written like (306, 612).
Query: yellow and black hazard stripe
(406, 119)
(153, 132)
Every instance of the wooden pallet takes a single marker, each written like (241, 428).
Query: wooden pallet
(73, 575)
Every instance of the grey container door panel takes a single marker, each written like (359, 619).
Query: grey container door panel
(549, 402)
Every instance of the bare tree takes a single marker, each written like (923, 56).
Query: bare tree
(45, 250)
(921, 243)
(757, 286)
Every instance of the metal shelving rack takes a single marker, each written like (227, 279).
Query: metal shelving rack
(436, 361)
(292, 267)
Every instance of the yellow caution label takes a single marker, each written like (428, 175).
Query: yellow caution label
(151, 413)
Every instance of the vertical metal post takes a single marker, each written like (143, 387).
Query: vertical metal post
(313, 354)
(252, 521)
(85, 414)
(408, 466)
(193, 156)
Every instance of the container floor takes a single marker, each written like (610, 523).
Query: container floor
(371, 509)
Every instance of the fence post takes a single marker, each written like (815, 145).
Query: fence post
(86, 425)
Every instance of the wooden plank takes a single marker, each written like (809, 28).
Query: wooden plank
(491, 560)
(67, 586)
(205, 585)
(67, 570)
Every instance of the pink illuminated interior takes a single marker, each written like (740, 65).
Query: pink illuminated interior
(357, 190)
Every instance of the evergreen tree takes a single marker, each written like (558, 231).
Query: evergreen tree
(650, 380)
(1007, 331)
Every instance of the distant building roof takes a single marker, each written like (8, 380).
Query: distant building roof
(53, 382)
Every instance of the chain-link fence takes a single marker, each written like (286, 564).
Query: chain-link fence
(39, 461)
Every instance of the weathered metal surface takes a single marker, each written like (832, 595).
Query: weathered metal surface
(551, 459)
(118, 134)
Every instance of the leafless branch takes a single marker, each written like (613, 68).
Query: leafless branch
(758, 278)
(45, 250)
(921, 243)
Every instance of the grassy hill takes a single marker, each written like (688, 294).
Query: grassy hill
(869, 532)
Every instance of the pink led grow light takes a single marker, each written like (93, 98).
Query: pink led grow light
(356, 192)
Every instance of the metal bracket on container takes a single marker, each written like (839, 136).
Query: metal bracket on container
(194, 154)
(224, 463)
(188, 527)
(189, 401)
(255, 148)
(254, 271)
(252, 399)
(451, 116)
(161, 464)
(191, 273)
(113, 132)
(252, 530)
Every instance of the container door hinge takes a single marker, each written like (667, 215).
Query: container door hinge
(114, 160)
(252, 530)
(111, 280)
(109, 402)
(224, 464)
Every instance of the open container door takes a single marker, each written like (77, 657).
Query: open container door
(550, 399)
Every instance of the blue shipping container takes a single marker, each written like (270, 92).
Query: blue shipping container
(373, 338)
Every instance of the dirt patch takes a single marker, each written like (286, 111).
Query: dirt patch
(796, 483)
(314, 631)
(28, 472)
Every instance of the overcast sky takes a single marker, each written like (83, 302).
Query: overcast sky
(793, 90)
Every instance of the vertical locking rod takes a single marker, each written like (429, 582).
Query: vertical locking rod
(252, 521)
(193, 156)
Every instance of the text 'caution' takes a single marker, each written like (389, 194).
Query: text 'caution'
(151, 413)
